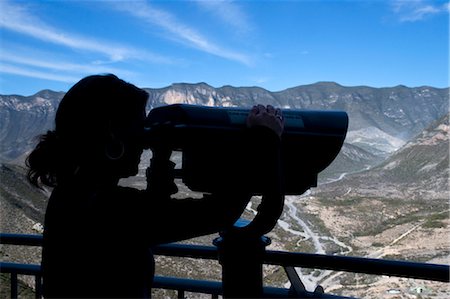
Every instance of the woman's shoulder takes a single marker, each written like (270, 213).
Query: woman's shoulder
(122, 192)
(128, 191)
(80, 194)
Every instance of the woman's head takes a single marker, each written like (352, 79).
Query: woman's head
(97, 125)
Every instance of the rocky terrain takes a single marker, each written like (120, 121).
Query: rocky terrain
(385, 195)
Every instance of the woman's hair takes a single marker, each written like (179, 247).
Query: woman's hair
(83, 122)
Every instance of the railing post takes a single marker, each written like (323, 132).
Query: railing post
(241, 257)
(38, 286)
(14, 285)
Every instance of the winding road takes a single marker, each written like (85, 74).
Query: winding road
(309, 279)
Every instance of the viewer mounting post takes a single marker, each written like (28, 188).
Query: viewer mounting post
(241, 258)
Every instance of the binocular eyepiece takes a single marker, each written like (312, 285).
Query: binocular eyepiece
(214, 144)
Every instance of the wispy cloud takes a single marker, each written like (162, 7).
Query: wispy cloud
(260, 80)
(17, 70)
(229, 12)
(57, 65)
(18, 19)
(417, 10)
(177, 30)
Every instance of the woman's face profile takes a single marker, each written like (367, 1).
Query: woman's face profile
(132, 138)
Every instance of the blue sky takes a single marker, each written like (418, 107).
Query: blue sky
(271, 44)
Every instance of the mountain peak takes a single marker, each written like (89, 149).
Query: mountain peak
(327, 83)
(190, 85)
(48, 94)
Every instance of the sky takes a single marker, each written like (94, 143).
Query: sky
(271, 44)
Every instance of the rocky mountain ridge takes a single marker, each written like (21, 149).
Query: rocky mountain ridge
(388, 109)
(381, 119)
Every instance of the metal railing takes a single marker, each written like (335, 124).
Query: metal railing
(287, 260)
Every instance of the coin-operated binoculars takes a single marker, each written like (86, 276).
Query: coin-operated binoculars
(214, 142)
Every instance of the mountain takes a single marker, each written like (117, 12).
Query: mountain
(350, 159)
(381, 119)
(23, 118)
(420, 169)
(422, 164)
(388, 109)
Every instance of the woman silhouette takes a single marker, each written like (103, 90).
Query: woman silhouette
(98, 235)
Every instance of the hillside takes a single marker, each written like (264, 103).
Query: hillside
(417, 170)
(396, 210)
(21, 202)
(351, 158)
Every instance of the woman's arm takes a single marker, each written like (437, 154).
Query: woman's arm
(177, 219)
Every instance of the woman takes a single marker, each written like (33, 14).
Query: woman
(98, 235)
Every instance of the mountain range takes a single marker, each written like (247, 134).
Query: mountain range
(381, 119)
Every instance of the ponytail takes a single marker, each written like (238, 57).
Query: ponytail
(81, 121)
(43, 161)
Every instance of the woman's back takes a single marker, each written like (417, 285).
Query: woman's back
(93, 246)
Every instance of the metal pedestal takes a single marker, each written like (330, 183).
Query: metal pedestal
(241, 257)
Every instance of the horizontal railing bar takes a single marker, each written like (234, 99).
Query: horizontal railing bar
(24, 269)
(172, 283)
(273, 292)
(21, 239)
(215, 288)
(172, 249)
(416, 270)
(426, 271)
(188, 285)
(187, 250)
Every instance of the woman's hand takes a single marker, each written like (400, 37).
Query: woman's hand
(266, 117)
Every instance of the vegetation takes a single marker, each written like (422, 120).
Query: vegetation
(436, 220)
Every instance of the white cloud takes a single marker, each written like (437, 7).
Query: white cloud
(228, 12)
(417, 10)
(15, 70)
(57, 65)
(179, 31)
(16, 18)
